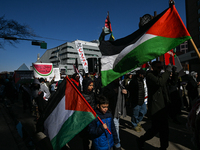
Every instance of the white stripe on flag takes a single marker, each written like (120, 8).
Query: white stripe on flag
(107, 62)
(56, 119)
(129, 48)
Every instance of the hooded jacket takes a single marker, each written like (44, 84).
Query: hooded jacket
(88, 95)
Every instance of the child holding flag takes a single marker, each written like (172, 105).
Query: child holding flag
(101, 139)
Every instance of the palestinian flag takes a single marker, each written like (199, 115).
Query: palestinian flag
(169, 57)
(161, 34)
(145, 66)
(107, 30)
(66, 115)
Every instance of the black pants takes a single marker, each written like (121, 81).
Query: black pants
(159, 125)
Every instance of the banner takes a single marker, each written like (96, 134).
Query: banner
(56, 74)
(43, 70)
(82, 57)
(21, 76)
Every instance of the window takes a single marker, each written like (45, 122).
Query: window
(55, 51)
(198, 11)
(91, 55)
(87, 49)
(198, 2)
(53, 57)
(67, 47)
(199, 19)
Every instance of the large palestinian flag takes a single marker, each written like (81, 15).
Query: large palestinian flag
(66, 115)
(163, 33)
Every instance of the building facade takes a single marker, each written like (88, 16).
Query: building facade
(64, 56)
(193, 21)
(190, 59)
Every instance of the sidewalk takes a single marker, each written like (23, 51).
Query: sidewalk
(10, 138)
(180, 137)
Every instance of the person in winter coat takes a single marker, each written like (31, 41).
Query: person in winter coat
(192, 87)
(101, 139)
(75, 80)
(89, 96)
(35, 90)
(115, 92)
(88, 93)
(43, 96)
(137, 97)
(158, 101)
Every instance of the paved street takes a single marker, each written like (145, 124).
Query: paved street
(180, 137)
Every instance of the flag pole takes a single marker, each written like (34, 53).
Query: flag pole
(197, 51)
(94, 113)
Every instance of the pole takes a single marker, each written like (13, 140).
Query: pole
(197, 51)
(92, 110)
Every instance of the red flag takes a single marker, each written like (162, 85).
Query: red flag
(169, 57)
(145, 66)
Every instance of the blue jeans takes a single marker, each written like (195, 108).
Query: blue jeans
(138, 114)
(116, 122)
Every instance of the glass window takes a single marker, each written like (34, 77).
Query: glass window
(198, 2)
(198, 11)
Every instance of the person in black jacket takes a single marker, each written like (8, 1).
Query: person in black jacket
(192, 87)
(158, 101)
(89, 96)
(137, 96)
(88, 93)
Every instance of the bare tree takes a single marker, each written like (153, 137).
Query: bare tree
(11, 31)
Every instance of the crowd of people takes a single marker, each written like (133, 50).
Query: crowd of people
(167, 95)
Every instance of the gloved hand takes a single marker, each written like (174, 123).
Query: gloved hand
(174, 68)
(169, 68)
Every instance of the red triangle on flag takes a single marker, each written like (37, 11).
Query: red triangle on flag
(74, 99)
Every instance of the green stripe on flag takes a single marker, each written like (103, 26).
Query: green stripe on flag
(72, 126)
(147, 51)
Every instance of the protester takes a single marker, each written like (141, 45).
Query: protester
(98, 84)
(75, 81)
(192, 87)
(137, 96)
(35, 90)
(89, 95)
(174, 96)
(102, 140)
(127, 80)
(158, 100)
(43, 95)
(26, 97)
(193, 123)
(115, 93)
(49, 84)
